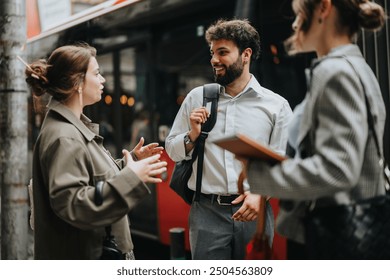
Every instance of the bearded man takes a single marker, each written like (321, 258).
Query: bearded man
(223, 221)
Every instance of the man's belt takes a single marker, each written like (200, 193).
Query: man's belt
(221, 199)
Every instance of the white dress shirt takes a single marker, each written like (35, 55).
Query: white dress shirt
(256, 111)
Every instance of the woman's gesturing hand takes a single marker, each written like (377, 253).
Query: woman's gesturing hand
(147, 168)
(151, 149)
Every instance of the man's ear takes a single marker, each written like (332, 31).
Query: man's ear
(247, 53)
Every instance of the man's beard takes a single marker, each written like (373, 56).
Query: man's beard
(231, 73)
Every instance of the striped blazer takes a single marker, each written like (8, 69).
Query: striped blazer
(336, 160)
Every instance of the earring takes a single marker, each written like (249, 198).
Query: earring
(80, 90)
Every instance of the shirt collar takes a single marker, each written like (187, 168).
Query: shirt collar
(253, 85)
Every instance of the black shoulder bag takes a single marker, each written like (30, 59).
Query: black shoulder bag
(183, 169)
(358, 231)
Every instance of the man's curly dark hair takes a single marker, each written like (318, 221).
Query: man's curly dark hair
(240, 31)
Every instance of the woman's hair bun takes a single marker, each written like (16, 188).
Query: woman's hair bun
(371, 15)
(36, 77)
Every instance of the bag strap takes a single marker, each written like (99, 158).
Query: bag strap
(98, 199)
(210, 94)
(260, 238)
(383, 163)
(371, 126)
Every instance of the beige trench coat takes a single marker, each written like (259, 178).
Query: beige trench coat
(68, 161)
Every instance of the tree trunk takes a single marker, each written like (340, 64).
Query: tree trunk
(13, 131)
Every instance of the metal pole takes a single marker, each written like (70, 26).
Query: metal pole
(13, 131)
(178, 251)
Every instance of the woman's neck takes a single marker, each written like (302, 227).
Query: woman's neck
(74, 104)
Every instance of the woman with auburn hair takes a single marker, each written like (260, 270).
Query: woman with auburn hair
(81, 195)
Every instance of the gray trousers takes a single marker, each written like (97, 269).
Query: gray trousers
(214, 235)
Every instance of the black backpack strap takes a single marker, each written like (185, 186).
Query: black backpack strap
(210, 94)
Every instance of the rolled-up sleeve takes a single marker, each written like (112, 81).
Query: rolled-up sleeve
(174, 143)
(279, 135)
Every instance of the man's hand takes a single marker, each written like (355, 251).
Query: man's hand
(198, 117)
(249, 209)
